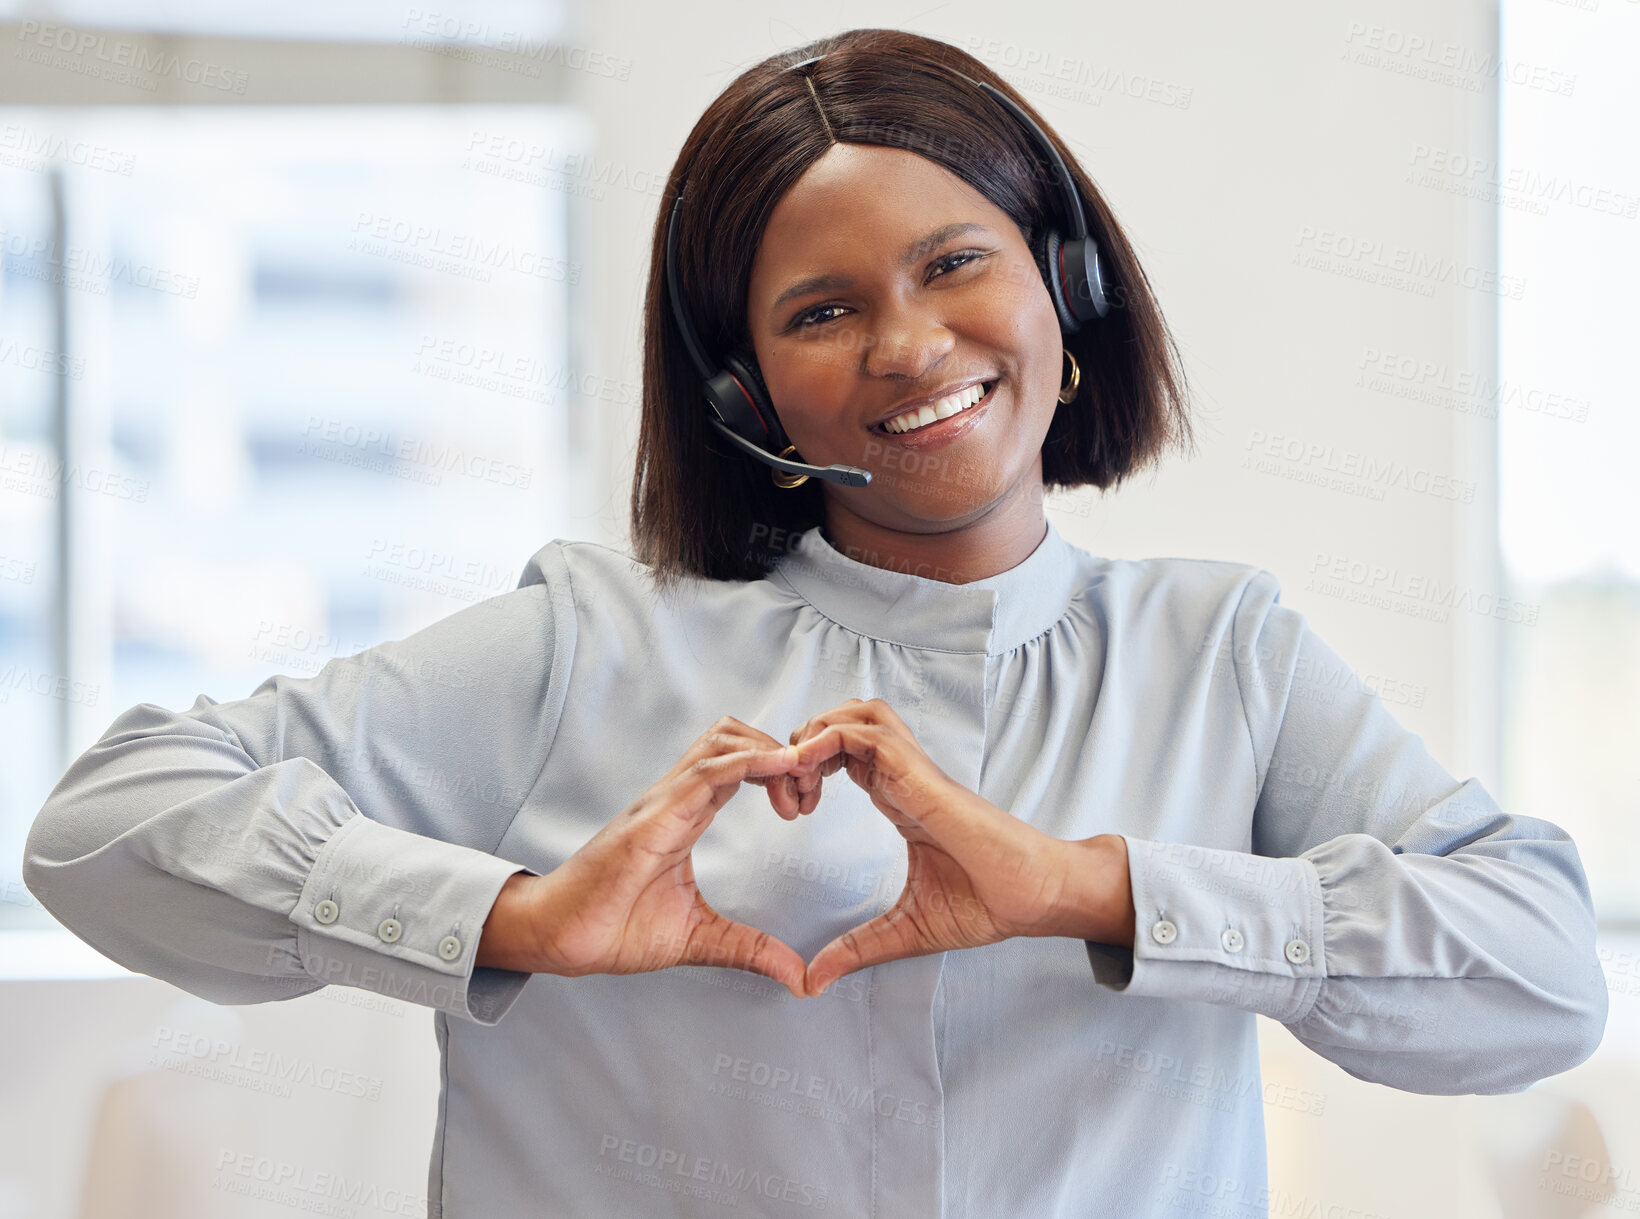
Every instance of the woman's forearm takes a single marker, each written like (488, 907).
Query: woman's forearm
(508, 940)
(1099, 905)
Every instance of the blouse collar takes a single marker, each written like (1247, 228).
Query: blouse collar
(993, 615)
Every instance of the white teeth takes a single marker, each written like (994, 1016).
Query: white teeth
(943, 409)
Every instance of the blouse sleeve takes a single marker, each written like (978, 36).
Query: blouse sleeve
(1397, 921)
(333, 829)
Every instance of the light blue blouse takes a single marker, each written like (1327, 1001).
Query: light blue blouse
(1293, 851)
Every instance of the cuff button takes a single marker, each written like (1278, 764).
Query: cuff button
(390, 930)
(449, 948)
(1164, 932)
(1232, 940)
(327, 911)
(1298, 951)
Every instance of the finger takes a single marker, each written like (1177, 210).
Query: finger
(900, 779)
(850, 710)
(717, 776)
(790, 794)
(728, 735)
(808, 779)
(812, 775)
(804, 798)
(888, 937)
(808, 801)
(862, 742)
(783, 794)
(728, 944)
(760, 762)
(880, 712)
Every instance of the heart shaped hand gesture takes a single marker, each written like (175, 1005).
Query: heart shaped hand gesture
(627, 901)
(975, 874)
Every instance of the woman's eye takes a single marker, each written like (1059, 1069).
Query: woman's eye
(952, 261)
(802, 318)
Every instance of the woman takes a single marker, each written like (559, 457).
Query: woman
(1055, 759)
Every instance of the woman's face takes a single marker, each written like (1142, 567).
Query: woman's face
(882, 279)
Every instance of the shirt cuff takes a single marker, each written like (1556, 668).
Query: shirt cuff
(400, 914)
(1218, 926)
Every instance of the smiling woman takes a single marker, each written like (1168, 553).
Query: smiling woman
(1097, 815)
(865, 232)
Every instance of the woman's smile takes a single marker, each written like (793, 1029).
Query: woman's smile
(940, 432)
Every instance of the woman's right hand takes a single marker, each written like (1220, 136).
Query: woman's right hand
(626, 902)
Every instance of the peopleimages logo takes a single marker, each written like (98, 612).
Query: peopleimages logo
(16, 677)
(1051, 71)
(423, 459)
(1448, 63)
(1395, 266)
(1347, 470)
(1391, 588)
(799, 1084)
(664, 1162)
(231, 1062)
(469, 255)
(94, 53)
(26, 148)
(89, 270)
(1517, 185)
(439, 30)
(311, 1191)
(1409, 376)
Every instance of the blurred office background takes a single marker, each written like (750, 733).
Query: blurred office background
(316, 321)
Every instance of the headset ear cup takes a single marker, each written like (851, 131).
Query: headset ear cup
(750, 365)
(1047, 261)
(744, 368)
(1085, 280)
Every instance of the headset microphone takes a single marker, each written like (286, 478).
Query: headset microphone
(741, 408)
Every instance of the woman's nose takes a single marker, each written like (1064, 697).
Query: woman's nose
(906, 343)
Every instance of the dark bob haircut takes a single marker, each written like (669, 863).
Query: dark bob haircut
(703, 508)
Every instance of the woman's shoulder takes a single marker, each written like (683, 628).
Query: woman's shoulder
(592, 574)
(1185, 605)
(567, 558)
(1180, 581)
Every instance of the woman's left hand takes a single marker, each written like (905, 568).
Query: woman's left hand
(975, 873)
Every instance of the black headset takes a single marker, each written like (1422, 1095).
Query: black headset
(741, 408)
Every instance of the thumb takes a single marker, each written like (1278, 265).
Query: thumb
(888, 937)
(729, 944)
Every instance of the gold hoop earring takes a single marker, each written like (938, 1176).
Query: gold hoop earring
(784, 480)
(1067, 390)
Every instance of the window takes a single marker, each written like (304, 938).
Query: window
(1567, 186)
(276, 384)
